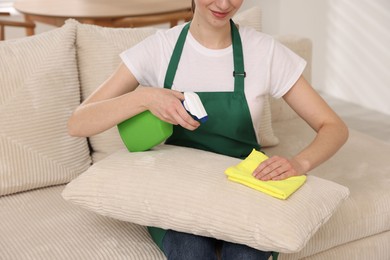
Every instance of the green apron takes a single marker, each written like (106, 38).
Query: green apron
(229, 128)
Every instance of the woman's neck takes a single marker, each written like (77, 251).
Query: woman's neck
(210, 36)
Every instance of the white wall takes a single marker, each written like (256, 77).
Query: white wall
(351, 44)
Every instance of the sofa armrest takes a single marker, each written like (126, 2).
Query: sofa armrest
(303, 47)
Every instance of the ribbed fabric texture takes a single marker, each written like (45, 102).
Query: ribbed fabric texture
(369, 248)
(186, 189)
(40, 225)
(98, 52)
(39, 89)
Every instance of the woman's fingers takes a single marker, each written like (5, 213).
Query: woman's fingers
(185, 120)
(275, 168)
(167, 105)
(178, 115)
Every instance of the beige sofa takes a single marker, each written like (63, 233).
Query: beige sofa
(43, 78)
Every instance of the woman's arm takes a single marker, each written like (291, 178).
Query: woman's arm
(332, 133)
(118, 99)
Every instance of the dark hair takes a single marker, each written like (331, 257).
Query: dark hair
(193, 6)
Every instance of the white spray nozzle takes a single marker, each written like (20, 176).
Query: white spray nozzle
(194, 106)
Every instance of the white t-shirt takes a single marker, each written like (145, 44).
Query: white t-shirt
(270, 67)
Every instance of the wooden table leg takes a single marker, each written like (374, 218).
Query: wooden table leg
(2, 34)
(30, 30)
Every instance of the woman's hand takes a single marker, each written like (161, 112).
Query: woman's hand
(167, 105)
(277, 168)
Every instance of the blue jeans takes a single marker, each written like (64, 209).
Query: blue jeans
(183, 246)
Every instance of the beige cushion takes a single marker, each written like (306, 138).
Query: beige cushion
(98, 52)
(368, 248)
(39, 90)
(186, 189)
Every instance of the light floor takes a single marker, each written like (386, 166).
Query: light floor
(362, 119)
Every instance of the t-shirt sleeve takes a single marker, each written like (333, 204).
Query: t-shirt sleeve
(144, 59)
(285, 69)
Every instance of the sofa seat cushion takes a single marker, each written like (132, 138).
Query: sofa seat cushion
(39, 89)
(363, 166)
(372, 247)
(186, 189)
(40, 224)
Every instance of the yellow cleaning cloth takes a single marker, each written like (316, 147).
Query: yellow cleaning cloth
(242, 173)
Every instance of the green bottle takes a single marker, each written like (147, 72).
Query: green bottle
(144, 131)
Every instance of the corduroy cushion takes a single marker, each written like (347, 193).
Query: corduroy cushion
(98, 52)
(39, 89)
(186, 190)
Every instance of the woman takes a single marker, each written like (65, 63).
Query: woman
(232, 69)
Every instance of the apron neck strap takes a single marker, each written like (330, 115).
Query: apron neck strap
(175, 58)
(239, 73)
